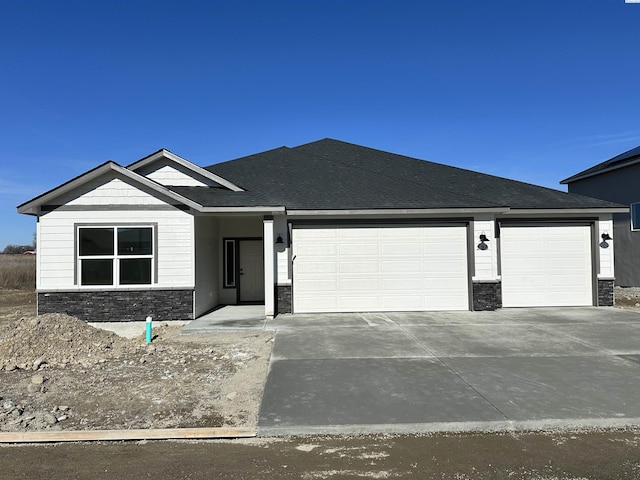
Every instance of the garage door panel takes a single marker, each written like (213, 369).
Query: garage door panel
(553, 270)
(367, 284)
(359, 249)
(403, 302)
(319, 285)
(321, 251)
(403, 284)
(348, 303)
(319, 267)
(400, 267)
(381, 268)
(401, 249)
(358, 267)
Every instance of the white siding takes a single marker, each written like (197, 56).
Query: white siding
(207, 264)
(546, 266)
(168, 172)
(606, 254)
(283, 270)
(109, 190)
(486, 261)
(174, 251)
(168, 175)
(395, 268)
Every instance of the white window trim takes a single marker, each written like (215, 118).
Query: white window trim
(115, 257)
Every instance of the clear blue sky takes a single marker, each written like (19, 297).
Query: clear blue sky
(533, 90)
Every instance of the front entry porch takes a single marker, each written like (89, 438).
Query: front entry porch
(229, 317)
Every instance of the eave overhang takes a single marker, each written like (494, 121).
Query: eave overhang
(582, 176)
(396, 211)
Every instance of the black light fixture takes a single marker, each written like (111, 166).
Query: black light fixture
(279, 240)
(482, 245)
(605, 236)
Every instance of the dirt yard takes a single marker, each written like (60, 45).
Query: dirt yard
(58, 373)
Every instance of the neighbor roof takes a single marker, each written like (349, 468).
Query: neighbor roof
(334, 175)
(623, 160)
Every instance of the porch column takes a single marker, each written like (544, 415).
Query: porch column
(269, 266)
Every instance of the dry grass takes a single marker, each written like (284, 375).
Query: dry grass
(18, 272)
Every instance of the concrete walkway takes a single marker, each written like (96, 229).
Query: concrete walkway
(240, 317)
(453, 371)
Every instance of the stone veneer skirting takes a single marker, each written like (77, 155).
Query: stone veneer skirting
(283, 299)
(487, 296)
(119, 306)
(605, 293)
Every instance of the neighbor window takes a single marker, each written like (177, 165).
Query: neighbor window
(635, 216)
(115, 255)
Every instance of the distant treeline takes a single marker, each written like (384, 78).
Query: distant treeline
(17, 249)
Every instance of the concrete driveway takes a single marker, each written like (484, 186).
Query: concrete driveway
(453, 371)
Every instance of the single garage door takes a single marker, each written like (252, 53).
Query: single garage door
(390, 268)
(546, 265)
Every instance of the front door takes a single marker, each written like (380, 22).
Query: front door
(251, 271)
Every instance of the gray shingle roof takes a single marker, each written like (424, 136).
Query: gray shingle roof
(630, 156)
(333, 175)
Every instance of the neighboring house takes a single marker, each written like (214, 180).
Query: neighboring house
(323, 227)
(616, 180)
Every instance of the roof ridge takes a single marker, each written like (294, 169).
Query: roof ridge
(399, 179)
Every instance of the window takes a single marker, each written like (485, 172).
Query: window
(635, 216)
(115, 255)
(229, 263)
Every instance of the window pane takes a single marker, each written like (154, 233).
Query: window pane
(97, 272)
(635, 216)
(135, 241)
(135, 271)
(96, 241)
(230, 263)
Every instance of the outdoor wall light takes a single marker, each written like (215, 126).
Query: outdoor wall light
(482, 245)
(605, 236)
(279, 240)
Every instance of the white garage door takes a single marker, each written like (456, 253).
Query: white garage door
(395, 268)
(546, 266)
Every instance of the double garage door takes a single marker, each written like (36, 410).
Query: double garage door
(422, 268)
(381, 268)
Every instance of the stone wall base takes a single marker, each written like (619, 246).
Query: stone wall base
(605, 293)
(283, 299)
(119, 306)
(487, 296)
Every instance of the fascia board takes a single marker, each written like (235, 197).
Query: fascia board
(397, 211)
(258, 209)
(187, 164)
(567, 211)
(31, 207)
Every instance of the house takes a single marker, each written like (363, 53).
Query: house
(326, 226)
(616, 180)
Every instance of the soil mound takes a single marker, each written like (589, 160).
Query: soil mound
(58, 340)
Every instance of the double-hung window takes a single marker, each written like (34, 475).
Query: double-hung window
(115, 256)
